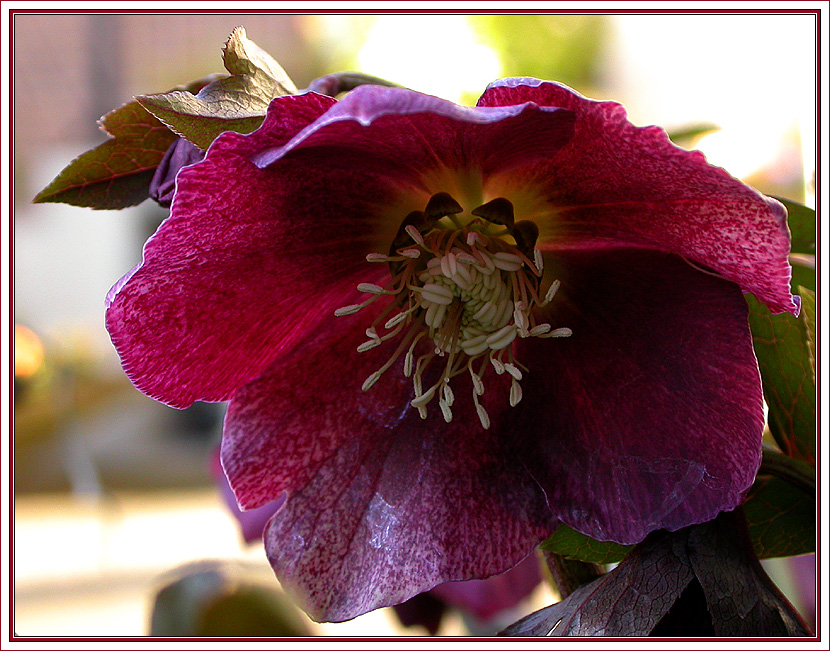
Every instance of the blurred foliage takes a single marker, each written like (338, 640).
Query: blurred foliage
(55, 382)
(563, 48)
(222, 599)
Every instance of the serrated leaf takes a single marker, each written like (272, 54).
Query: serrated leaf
(236, 103)
(783, 354)
(781, 518)
(802, 223)
(117, 173)
(577, 546)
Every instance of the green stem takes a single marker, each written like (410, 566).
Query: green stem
(795, 472)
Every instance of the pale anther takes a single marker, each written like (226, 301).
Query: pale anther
(415, 234)
(349, 309)
(370, 381)
(371, 288)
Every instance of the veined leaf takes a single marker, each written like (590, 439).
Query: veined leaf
(235, 103)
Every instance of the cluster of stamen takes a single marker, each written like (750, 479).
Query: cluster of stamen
(466, 289)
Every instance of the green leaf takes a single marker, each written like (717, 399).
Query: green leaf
(808, 315)
(781, 518)
(235, 103)
(802, 223)
(784, 358)
(577, 546)
(686, 136)
(117, 173)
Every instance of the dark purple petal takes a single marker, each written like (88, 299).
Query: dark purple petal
(178, 155)
(618, 184)
(487, 598)
(649, 416)
(381, 505)
(252, 522)
(421, 610)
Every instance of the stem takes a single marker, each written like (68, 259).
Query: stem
(568, 574)
(797, 473)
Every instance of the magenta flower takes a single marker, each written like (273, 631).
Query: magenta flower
(373, 282)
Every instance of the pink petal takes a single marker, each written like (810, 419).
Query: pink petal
(618, 184)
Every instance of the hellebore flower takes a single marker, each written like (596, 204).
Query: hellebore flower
(441, 429)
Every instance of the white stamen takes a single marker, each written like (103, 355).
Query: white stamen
(539, 330)
(377, 257)
(415, 234)
(554, 287)
(445, 410)
(507, 261)
(449, 396)
(371, 288)
(349, 309)
(502, 338)
(559, 332)
(368, 345)
(436, 294)
(422, 400)
(519, 318)
(513, 370)
(411, 253)
(370, 381)
(478, 385)
(482, 416)
(498, 365)
(538, 261)
(515, 393)
(395, 320)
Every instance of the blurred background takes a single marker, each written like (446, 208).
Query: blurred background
(114, 493)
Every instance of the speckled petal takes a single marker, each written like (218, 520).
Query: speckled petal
(381, 505)
(618, 184)
(650, 415)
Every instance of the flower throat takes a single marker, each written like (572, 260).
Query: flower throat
(468, 289)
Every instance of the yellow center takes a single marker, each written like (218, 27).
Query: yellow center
(469, 289)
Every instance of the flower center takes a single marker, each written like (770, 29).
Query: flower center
(468, 288)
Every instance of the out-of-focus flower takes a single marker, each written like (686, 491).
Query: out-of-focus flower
(441, 429)
(28, 352)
